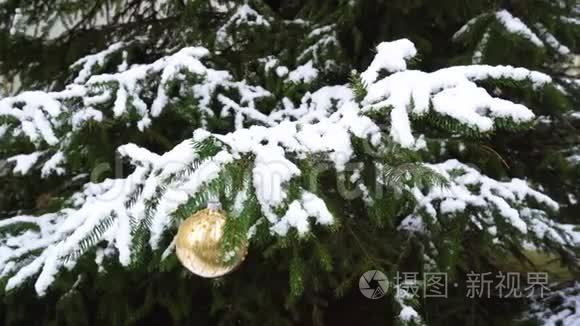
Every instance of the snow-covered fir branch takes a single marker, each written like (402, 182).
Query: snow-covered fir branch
(560, 306)
(246, 102)
(269, 148)
(534, 32)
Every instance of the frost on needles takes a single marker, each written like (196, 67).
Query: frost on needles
(260, 171)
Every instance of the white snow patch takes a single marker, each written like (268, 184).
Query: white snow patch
(391, 56)
(515, 25)
(304, 73)
(24, 162)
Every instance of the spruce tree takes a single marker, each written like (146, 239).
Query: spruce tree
(338, 136)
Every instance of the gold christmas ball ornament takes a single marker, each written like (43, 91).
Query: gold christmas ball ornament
(198, 245)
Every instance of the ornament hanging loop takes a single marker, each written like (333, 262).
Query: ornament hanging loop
(213, 204)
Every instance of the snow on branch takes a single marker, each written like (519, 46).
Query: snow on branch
(449, 91)
(495, 201)
(128, 82)
(570, 20)
(88, 63)
(515, 25)
(391, 56)
(268, 149)
(468, 26)
(551, 40)
(46, 118)
(560, 306)
(37, 114)
(322, 39)
(539, 35)
(63, 236)
(243, 15)
(510, 23)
